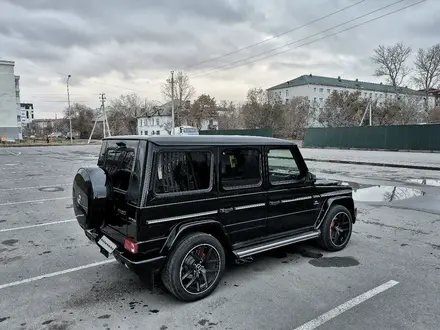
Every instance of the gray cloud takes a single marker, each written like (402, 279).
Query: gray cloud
(130, 43)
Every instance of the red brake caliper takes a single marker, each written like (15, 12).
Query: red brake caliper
(332, 226)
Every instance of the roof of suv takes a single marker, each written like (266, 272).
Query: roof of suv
(205, 139)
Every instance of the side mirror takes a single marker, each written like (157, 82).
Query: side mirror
(311, 177)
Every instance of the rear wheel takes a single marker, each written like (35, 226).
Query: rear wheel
(195, 267)
(336, 229)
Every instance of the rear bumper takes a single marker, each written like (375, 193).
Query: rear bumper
(134, 263)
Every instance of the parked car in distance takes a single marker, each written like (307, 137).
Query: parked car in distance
(186, 130)
(182, 205)
(56, 135)
(75, 135)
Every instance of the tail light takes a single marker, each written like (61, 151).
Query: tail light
(131, 245)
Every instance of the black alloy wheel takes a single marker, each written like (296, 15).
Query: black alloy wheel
(336, 228)
(340, 229)
(200, 268)
(195, 266)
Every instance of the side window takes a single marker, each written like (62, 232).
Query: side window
(119, 161)
(183, 172)
(240, 168)
(282, 166)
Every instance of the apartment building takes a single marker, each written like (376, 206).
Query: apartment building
(10, 112)
(317, 89)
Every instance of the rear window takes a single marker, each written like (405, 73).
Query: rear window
(119, 161)
(183, 172)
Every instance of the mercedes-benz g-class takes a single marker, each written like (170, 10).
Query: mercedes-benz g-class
(181, 205)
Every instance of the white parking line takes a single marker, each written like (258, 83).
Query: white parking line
(13, 153)
(37, 187)
(313, 324)
(66, 271)
(35, 201)
(37, 225)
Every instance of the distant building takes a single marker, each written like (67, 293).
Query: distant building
(10, 112)
(317, 89)
(435, 92)
(27, 113)
(44, 127)
(155, 121)
(158, 120)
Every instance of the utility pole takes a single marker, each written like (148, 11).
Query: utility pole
(105, 121)
(172, 102)
(70, 114)
(367, 108)
(370, 113)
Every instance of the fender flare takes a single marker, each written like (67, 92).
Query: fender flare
(182, 228)
(328, 204)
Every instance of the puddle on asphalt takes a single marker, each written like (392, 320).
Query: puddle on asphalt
(428, 182)
(380, 193)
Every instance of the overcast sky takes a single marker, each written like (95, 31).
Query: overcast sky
(117, 47)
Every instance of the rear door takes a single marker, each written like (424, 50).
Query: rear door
(183, 189)
(242, 198)
(120, 161)
(291, 202)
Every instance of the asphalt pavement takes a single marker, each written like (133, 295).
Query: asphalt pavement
(53, 278)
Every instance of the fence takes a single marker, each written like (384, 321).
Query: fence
(398, 137)
(253, 132)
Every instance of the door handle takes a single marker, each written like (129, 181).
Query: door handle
(226, 210)
(274, 203)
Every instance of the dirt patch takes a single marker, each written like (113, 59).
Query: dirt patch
(334, 262)
(10, 242)
(310, 254)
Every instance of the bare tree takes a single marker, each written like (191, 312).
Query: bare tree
(296, 116)
(342, 109)
(183, 91)
(260, 111)
(82, 120)
(228, 115)
(434, 116)
(123, 112)
(427, 73)
(390, 61)
(202, 109)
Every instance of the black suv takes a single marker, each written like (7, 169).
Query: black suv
(181, 205)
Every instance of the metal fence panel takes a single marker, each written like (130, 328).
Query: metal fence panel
(396, 137)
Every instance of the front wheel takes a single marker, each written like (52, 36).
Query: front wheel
(194, 267)
(336, 228)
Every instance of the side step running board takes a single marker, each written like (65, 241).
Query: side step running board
(247, 251)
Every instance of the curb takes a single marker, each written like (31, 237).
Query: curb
(46, 145)
(416, 167)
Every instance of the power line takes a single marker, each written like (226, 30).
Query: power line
(274, 37)
(245, 60)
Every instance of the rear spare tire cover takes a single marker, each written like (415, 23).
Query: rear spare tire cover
(92, 197)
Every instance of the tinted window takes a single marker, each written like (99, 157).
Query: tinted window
(183, 172)
(240, 168)
(120, 156)
(282, 166)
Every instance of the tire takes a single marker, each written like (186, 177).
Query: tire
(182, 261)
(336, 212)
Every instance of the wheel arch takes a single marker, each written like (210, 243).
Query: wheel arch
(346, 201)
(208, 226)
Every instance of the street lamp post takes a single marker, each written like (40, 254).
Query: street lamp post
(70, 115)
